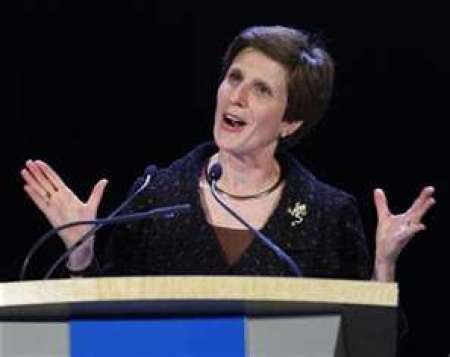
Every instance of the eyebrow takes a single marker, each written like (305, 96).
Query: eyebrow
(257, 81)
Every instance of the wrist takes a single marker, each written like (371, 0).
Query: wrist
(81, 257)
(384, 270)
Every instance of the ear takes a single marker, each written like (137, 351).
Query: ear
(289, 128)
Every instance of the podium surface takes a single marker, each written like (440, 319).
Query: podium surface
(271, 314)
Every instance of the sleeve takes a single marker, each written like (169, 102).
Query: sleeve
(355, 257)
(123, 252)
(126, 249)
(351, 242)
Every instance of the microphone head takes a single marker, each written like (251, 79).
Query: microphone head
(148, 174)
(214, 173)
(150, 170)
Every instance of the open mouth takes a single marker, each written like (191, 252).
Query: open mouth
(233, 121)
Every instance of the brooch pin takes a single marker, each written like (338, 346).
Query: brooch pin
(298, 212)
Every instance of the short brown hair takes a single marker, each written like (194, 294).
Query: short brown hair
(310, 71)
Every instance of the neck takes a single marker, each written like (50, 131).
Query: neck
(247, 174)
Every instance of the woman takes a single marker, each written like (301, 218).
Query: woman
(276, 85)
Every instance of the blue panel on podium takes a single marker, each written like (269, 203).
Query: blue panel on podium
(196, 337)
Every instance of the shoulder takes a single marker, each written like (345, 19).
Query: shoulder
(176, 181)
(186, 169)
(321, 196)
(332, 199)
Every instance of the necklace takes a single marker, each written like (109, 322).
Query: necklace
(248, 197)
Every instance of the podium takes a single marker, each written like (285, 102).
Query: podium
(198, 316)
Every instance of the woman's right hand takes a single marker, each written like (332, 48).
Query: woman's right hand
(58, 203)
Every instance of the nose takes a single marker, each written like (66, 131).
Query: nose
(239, 95)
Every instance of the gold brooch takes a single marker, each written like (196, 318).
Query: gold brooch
(298, 212)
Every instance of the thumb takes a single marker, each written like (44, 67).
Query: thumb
(381, 203)
(97, 193)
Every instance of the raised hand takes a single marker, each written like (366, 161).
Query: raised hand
(58, 203)
(394, 232)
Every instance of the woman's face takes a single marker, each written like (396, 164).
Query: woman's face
(251, 102)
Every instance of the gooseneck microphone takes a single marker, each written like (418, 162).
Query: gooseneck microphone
(44, 238)
(213, 175)
(167, 212)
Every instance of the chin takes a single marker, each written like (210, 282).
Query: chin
(229, 146)
(226, 145)
(240, 144)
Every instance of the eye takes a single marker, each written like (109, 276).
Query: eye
(234, 76)
(263, 89)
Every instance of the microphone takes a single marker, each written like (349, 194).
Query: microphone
(149, 171)
(166, 212)
(213, 175)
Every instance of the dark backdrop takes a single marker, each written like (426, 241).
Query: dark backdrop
(102, 90)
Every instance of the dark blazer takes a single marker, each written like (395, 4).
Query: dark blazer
(317, 225)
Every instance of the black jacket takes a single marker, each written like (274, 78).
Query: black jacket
(324, 235)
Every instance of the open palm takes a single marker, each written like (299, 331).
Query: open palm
(394, 232)
(58, 203)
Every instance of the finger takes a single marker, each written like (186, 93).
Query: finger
(97, 193)
(29, 177)
(33, 184)
(424, 196)
(38, 200)
(40, 177)
(420, 211)
(381, 203)
(416, 228)
(54, 178)
(412, 230)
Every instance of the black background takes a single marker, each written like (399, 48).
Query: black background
(102, 90)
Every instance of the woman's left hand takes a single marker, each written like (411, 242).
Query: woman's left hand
(394, 232)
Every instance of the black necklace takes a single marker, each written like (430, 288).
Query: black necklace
(252, 196)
